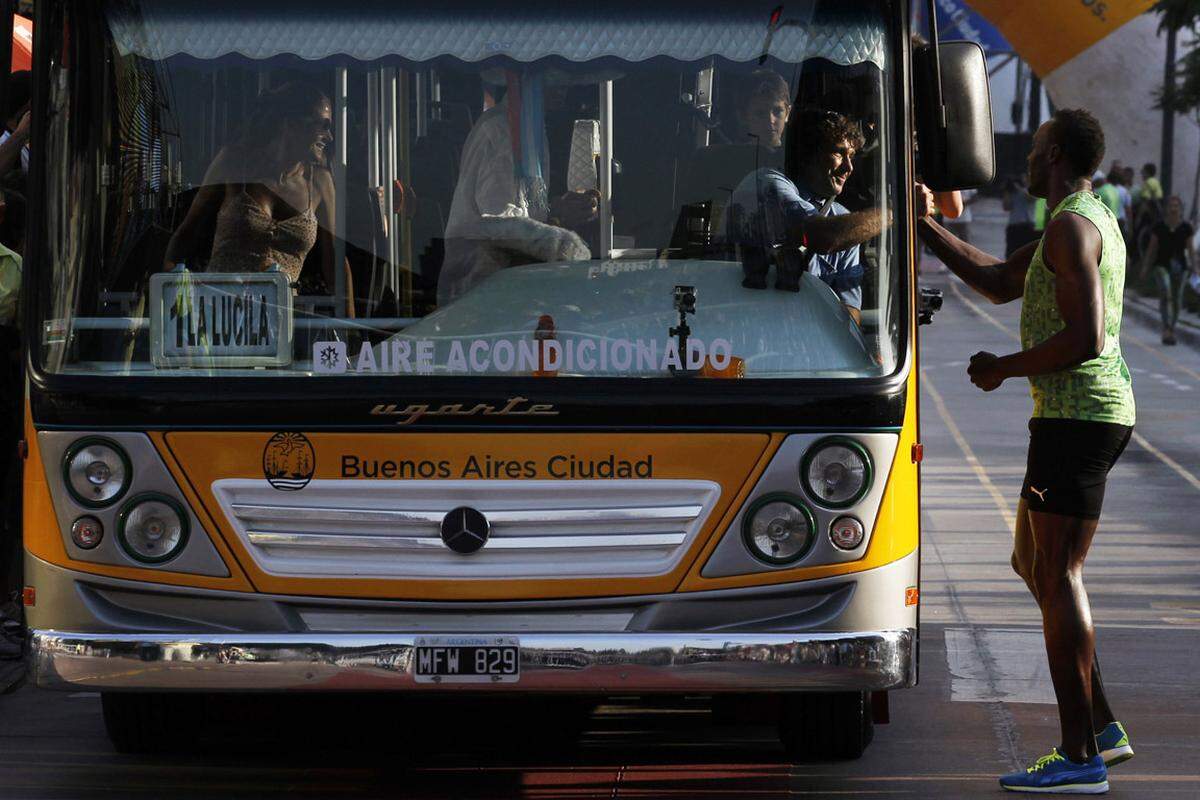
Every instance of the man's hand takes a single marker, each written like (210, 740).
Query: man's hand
(574, 209)
(922, 201)
(984, 371)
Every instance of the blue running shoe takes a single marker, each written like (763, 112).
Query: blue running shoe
(1055, 774)
(1113, 744)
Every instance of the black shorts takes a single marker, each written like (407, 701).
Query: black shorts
(1069, 461)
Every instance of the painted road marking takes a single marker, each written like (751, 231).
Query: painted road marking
(1015, 670)
(1163, 357)
(1010, 519)
(1179, 469)
(1174, 465)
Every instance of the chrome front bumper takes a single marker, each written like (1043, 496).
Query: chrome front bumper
(599, 663)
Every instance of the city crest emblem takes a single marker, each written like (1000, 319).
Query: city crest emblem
(289, 461)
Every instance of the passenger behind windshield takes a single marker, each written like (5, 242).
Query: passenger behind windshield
(268, 198)
(799, 226)
(763, 107)
(501, 215)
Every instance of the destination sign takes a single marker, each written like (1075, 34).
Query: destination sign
(235, 319)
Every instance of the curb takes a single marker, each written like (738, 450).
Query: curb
(1146, 312)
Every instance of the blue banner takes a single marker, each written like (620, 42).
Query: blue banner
(956, 20)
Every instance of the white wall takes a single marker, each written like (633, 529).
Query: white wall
(1116, 79)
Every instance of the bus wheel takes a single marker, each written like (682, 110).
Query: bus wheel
(826, 726)
(148, 723)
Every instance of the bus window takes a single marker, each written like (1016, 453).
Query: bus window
(466, 191)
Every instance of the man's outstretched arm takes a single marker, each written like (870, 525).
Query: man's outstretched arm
(835, 233)
(997, 280)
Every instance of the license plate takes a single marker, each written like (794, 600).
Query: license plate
(467, 659)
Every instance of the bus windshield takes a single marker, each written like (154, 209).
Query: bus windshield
(612, 189)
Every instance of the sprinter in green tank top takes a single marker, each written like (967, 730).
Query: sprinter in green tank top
(1071, 284)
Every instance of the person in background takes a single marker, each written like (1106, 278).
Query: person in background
(1019, 205)
(960, 225)
(763, 105)
(1148, 200)
(12, 241)
(1116, 177)
(12, 246)
(501, 214)
(1172, 254)
(1107, 193)
(1151, 190)
(14, 141)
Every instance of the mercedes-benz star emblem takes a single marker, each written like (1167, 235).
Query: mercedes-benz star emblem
(465, 530)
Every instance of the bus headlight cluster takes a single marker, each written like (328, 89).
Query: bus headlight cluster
(152, 528)
(96, 471)
(836, 472)
(779, 529)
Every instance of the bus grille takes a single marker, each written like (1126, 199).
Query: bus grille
(539, 529)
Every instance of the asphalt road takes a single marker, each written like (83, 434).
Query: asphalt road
(983, 707)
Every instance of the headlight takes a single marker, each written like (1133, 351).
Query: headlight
(836, 472)
(846, 533)
(86, 532)
(152, 528)
(778, 529)
(96, 471)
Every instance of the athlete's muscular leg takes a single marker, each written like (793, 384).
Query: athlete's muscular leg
(1062, 544)
(1023, 558)
(1023, 548)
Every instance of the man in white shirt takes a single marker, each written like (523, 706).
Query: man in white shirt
(501, 214)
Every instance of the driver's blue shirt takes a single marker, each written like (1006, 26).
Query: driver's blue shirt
(761, 209)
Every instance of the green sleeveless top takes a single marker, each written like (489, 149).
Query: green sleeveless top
(1099, 390)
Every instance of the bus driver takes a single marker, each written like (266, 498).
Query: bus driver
(801, 223)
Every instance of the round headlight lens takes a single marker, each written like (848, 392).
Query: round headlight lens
(86, 532)
(152, 528)
(836, 472)
(846, 533)
(97, 472)
(778, 529)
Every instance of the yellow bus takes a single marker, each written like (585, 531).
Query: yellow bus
(560, 349)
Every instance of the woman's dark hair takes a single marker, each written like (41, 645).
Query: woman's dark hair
(1081, 139)
(273, 109)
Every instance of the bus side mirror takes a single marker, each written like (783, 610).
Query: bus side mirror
(955, 139)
